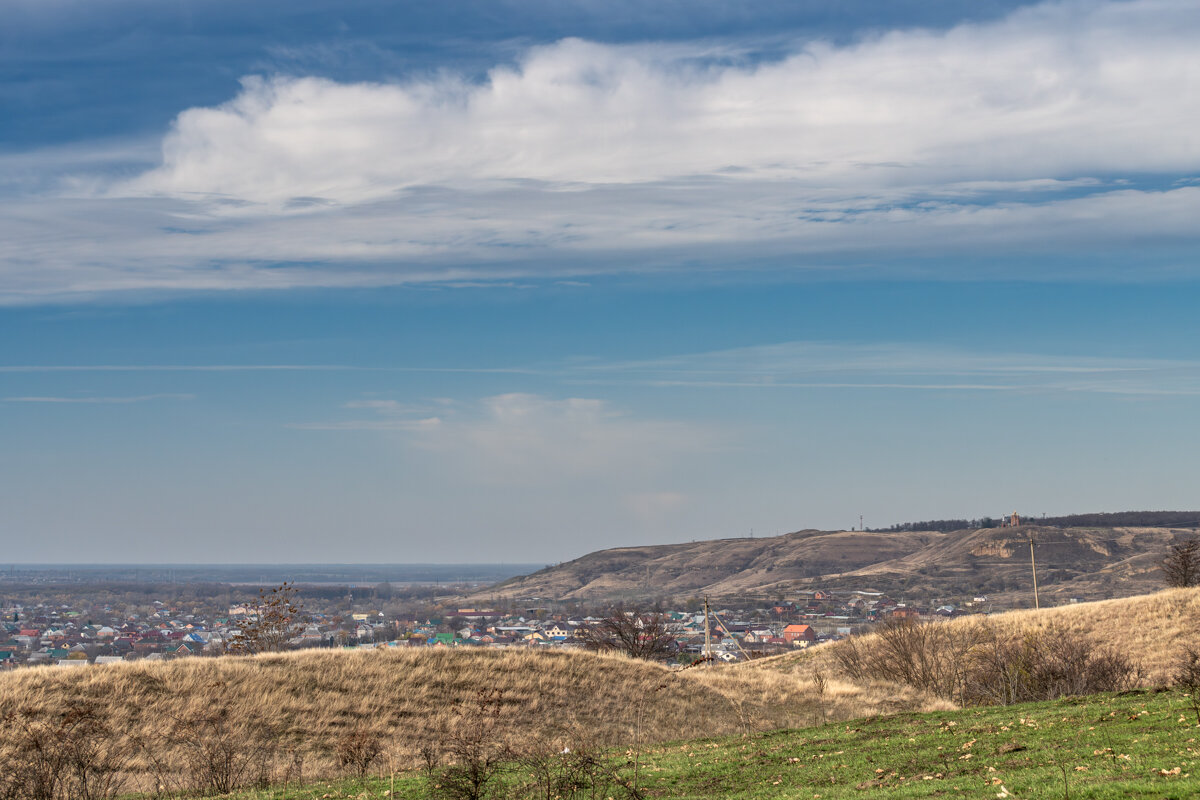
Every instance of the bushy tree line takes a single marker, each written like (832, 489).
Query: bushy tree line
(1118, 519)
(1127, 519)
(942, 525)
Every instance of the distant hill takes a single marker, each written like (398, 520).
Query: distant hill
(1081, 562)
(717, 567)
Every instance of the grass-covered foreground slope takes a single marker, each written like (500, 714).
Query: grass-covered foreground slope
(307, 703)
(1143, 744)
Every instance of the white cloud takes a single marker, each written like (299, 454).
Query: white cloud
(1062, 129)
(1058, 90)
(522, 439)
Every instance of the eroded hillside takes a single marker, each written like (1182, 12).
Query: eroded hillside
(1083, 563)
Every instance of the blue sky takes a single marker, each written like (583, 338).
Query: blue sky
(515, 281)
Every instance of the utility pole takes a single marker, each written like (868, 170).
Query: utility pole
(1033, 566)
(707, 637)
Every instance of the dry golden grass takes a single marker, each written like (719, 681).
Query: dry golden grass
(312, 699)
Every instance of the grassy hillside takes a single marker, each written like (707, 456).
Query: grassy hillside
(1135, 745)
(1086, 563)
(308, 704)
(719, 567)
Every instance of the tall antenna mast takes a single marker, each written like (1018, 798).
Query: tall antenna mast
(707, 636)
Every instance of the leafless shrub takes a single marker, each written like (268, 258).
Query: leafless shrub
(553, 770)
(850, 656)
(430, 754)
(94, 756)
(72, 754)
(474, 746)
(35, 760)
(1187, 677)
(358, 749)
(222, 752)
(982, 665)
(573, 764)
(41, 760)
(1043, 665)
(926, 656)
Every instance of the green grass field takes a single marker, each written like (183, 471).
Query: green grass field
(1134, 745)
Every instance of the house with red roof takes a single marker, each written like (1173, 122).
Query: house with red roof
(799, 635)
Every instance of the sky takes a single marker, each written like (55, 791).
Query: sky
(506, 281)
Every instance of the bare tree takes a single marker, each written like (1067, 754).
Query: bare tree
(637, 635)
(1181, 567)
(271, 621)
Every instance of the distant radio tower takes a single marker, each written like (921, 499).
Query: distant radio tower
(860, 523)
(1033, 565)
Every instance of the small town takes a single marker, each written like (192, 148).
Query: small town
(73, 635)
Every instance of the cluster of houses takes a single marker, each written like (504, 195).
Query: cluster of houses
(65, 637)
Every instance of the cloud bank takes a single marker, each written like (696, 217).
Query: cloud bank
(899, 365)
(1059, 90)
(1056, 142)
